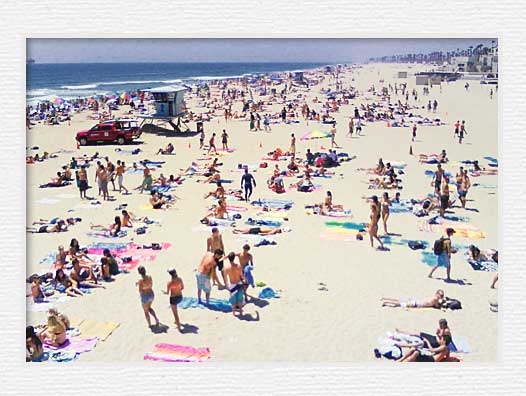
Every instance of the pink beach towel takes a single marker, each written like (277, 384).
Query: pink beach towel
(177, 353)
(74, 344)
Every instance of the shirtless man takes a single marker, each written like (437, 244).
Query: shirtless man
(435, 302)
(245, 258)
(146, 292)
(465, 185)
(214, 242)
(211, 144)
(121, 168)
(437, 179)
(444, 196)
(207, 264)
(219, 192)
(103, 182)
(174, 289)
(292, 148)
(236, 284)
(83, 182)
(260, 230)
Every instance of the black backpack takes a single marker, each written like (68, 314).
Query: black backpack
(452, 303)
(438, 246)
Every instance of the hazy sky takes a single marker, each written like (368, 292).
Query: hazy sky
(233, 50)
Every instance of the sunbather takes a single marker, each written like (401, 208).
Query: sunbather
(63, 284)
(261, 230)
(436, 302)
(54, 333)
(112, 230)
(83, 275)
(158, 202)
(169, 149)
(34, 347)
(60, 226)
(438, 354)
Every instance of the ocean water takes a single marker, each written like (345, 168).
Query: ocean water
(72, 80)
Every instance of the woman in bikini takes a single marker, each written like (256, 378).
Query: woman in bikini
(34, 348)
(76, 252)
(55, 331)
(63, 284)
(373, 224)
(147, 296)
(385, 210)
(112, 230)
(439, 354)
(174, 289)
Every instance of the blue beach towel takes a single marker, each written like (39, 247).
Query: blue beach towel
(214, 304)
(268, 293)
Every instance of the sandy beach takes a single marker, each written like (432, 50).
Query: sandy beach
(329, 307)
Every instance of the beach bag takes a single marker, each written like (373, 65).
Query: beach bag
(438, 246)
(263, 165)
(141, 230)
(414, 245)
(453, 304)
(156, 246)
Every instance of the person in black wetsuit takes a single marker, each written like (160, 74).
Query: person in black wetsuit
(246, 182)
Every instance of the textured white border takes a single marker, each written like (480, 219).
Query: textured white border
(257, 18)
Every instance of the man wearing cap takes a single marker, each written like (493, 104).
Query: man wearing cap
(174, 289)
(206, 266)
(213, 242)
(444, 259)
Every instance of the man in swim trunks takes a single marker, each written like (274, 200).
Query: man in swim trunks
(444, 259)
(83, 182)
(246, 182)
(83, 275)
(201, 139)
(211, 144)
(444, 196)
(260, 230)
(462, 131)
(465, 185)
(292, 148)
(214, 242)
(236, 284)
(437, 178)
(174, 289)
(205, 268)
(245, 258)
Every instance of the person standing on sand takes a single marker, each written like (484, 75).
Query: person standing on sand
(465, 185)
(414, 133)
(444, 196)
(252, 121)
(121, 168)
(333, 135)
(174, 289)
(236, 284)
(266, 123)
(224, 140)
(245, 259)
(457, 128)
(146, 292)
(292, 148)
(358, 126)
(437, 179)
(246, 183)
(462, 132)
(258, 122)
(214, 242)
(103, 180)
(83, 182)
(207, 264)
(444, 258)
(201, 139)
(373, 222)
(351, 127)
(385, 210)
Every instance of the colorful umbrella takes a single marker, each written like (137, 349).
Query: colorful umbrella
(57, 100)
(315, 135)
(125, 96)
(110, 96)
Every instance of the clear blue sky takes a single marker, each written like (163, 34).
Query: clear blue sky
(233, 50)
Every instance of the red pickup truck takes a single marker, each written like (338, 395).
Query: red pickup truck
(121, 131)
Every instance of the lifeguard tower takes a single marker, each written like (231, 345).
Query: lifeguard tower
(298, 78)
(168, 108)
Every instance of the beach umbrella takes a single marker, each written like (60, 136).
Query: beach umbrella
(110, 96)
(125, 96)
(57, 100)
(315, 135)
(111, 101)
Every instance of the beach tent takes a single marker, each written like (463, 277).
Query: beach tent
(315, 135)
(57, 100)
(124, 96)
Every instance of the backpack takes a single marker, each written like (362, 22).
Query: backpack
(438, 246)
(453, 304)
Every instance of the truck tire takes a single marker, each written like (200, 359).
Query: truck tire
(121, 140)
(83, 141)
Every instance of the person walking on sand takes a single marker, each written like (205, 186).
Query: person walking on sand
(373, 222)
(224, 140)
(211, 144)
(444, 253)
(174, 289)
(414, 133)
(266, 123)
(333, 136)
(147, 296)
(465, 185)
(385, 210)
(457, 128)
(214, 242)
(202, 275)
(246, 260)
(444, 196)
(246, 183)
(437, 179)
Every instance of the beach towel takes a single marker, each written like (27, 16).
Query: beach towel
(106, 234)
(459, 344)
(492, 159)
(262, 222)
(487, 265)
(214, 304)
(94, 329)
(346, 225)
(333, 214)
(74, 344)
(177, 353)
(400, 207)
(463, 230)
(268, 293)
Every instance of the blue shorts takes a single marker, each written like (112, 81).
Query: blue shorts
(236, 297)
(147, 298)
(443, 260)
